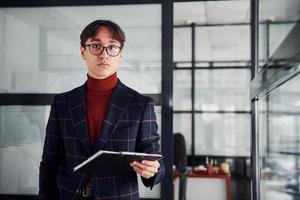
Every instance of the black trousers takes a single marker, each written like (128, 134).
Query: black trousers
(86, 198)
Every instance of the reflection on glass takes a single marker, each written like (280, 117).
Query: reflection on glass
(226, 90)
(48, 48)
(182, 44)
(158, 117)
(271, 35)
(182, 90)
(222, 134)
(21, 139)
(144, 80)
(182, 124)
(224, 43)
(216, 89)
(279, 135)
(277, 34)
(276, 19)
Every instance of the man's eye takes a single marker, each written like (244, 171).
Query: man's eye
(96, 46)
(113, 48)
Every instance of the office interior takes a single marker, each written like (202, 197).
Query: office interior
(224, 76)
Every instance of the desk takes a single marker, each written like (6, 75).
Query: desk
(210, 184)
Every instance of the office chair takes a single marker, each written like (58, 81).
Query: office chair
(180, 161)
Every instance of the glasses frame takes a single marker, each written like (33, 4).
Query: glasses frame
(104, 48)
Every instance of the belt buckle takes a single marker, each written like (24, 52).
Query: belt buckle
(87, 192)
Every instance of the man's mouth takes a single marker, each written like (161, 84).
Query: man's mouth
(103, 65)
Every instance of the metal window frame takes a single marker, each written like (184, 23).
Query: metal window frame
(193, 68)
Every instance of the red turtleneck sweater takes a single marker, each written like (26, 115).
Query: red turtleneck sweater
(98, 97)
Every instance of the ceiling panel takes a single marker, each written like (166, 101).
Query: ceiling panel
(76, 16)
(216, 43)
(279, 10)
(187, 12)
(223, 43)
(211, 12)
(227, 12)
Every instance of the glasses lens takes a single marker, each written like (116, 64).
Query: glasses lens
(96, 49)
(113, 50)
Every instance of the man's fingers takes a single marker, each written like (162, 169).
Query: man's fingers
(154, 164)
(149, 167)
(142, 172)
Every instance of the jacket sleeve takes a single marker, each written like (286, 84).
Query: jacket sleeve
(148, 141)
(51, 158)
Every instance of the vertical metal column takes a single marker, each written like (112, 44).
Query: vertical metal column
(167, 98)
(267, 97)
(254, 150)
(268, 38)
(254, 38)
(193, 94)
(254, 102)
(297, 162)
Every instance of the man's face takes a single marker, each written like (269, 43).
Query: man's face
(103, 65)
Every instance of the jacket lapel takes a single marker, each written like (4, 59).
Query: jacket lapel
(78, 115)
(118, 106)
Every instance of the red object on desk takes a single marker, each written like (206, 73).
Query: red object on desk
(210, 169)
(200, 172)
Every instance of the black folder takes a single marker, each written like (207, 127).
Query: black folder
(108, 163)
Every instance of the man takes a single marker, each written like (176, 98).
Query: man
(102, 114)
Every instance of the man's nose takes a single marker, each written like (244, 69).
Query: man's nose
(104, 54)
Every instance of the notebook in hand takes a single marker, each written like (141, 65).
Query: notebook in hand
(113, 163)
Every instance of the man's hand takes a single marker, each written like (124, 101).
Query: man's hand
(146, 168)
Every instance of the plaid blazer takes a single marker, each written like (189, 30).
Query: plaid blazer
(129, 125)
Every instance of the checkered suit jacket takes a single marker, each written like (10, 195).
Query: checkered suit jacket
(129, 125)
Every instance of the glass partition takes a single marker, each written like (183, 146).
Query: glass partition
(180, 125)
(212, 77)
(276, 19)
(225, 135)
(278, 96)
(39, 53)
(22, 133)
(182, 45)
(279, 119)
(223, 43)
(222, 89)
(182, 90)
(45, 58)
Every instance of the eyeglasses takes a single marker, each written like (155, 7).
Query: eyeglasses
(97, 49)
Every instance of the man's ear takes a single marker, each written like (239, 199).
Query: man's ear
(82, 53)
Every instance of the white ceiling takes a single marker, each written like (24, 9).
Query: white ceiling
(215, 43)
(234, 11)
(279, 10)
(78, 16)
(212, 12)
(218, 43)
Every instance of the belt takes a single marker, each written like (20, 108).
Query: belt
(86, 193)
